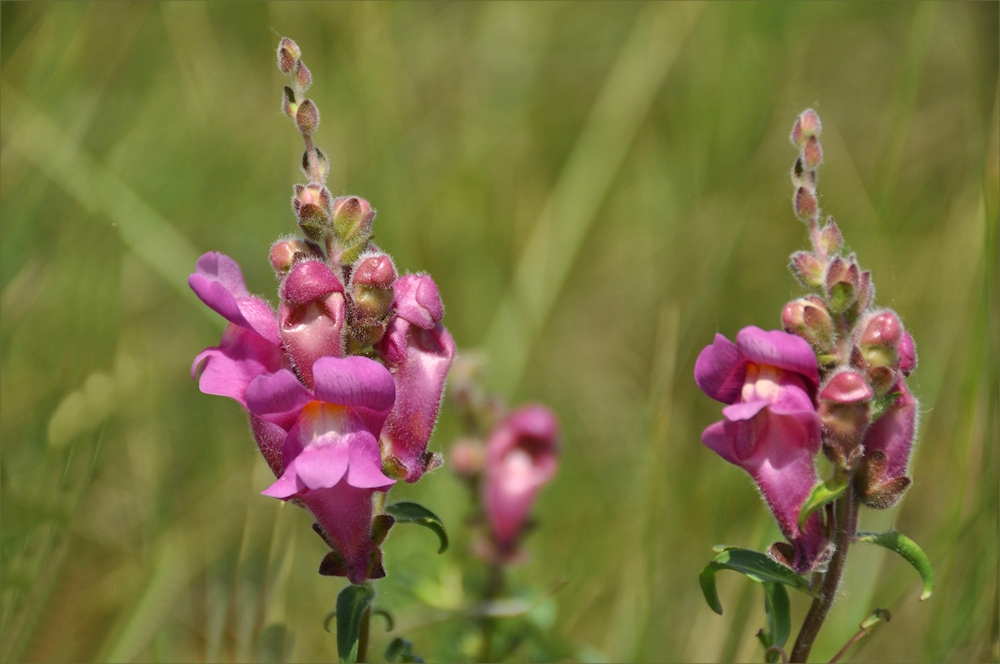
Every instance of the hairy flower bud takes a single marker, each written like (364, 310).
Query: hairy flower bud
(807, 269)
(313, 205)
(831, 238)
(288, 55)
(303, 77)
(312, 315)
(317, 167)
(842, 282)
(307, 117)
(881, 337)
(808, 318)
(371, 293)
(288, 103)
(907, 354)
(806, 206)
(352, 228)
(807, 126)
(287, 252)
(812, 153)
(845, 411)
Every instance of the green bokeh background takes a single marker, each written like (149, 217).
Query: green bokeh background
(597, 189)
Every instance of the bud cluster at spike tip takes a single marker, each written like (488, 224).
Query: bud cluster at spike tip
(335, 425)
(833, 382)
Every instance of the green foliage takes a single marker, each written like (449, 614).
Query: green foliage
(909, 551)
(822, 493)
(352, 603)
(410, 512)
(633, 159)
(752, 564)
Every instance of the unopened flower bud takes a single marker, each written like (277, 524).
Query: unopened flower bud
(907, 354)
(807, 126)
(807, 269)
(307, 117)
(831, 238)
(806, 206)
(371, 296)
(352, 217)
(874, 489)
(312, 205)
(316, 168)
(845, 410)
(808, 318)
(881, 336)
(881, 379)
(812, 153)
(287, 252)
(866, 292)
(466, 458)
(288, 55)
(303, 77)
(842, 279)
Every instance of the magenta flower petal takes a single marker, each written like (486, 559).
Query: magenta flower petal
(720, 369)
(219, 283)
(312, 331)
(365, 467)
(285, 486)
(354, 381)
(308, 281)
(417, 300)
(228, 369)
(893, 434)
(322, 464)
(744, 411)
(521, 457)
(277, 394)
(270, 439)
(778, 349)
(420, 376)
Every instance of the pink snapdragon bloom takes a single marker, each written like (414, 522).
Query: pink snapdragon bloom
(331, 454)
(771, 428)
(250, 346)
(418, 350)
(521, 458)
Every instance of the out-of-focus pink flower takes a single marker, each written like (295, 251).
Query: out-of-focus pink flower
(418, 351)
(521, 458)
(771, 428)
(331, 455)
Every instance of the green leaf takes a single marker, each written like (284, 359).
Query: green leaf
(908, 549)
(882, 404)
(822, 493)
(778, 610)
(753, 565)
(407, 512)
(351, 605)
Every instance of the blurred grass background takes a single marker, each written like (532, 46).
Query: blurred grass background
(597, 189)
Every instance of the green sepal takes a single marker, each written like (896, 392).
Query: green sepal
(381, 525)
(401, 650)
(909, 550)
(881, 405)
(752, 564)
(409, 512)
(822, 493)
(352, 602)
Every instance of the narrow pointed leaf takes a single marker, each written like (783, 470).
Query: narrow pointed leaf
(351, 605)
(407, 512)
(908, 549)
(752, 564)
(822, 493)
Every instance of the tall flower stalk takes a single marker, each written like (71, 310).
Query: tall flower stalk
(833, 381)
(343, 384)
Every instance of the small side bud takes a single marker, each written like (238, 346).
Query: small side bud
(317, 168)
(303, 77)
(807, 126)
(286, 253)
(288, 105)
(866, 291)
(807, 269)
(808, 318)
(907, 354)
(842, 279)
(881, 336)
(806, 206)
(812, 153)
(307, 117)
(288, 55)
(831, 238)
(352, 219)
(873, 488)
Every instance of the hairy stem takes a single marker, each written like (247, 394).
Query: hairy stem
(846, 519)
(366, 619)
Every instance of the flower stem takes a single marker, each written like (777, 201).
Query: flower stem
(846, 520)
(494, 586)
(366, 619)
